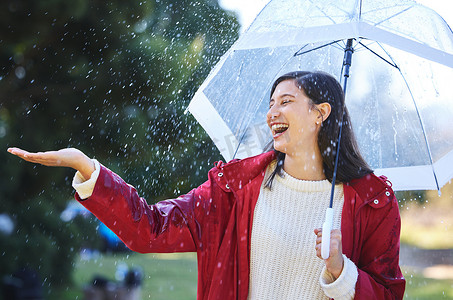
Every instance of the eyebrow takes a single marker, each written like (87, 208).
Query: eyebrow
(284, 95)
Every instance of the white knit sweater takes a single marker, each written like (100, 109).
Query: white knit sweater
(283, 263)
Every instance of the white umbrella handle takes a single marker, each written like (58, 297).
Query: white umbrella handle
(326, 229)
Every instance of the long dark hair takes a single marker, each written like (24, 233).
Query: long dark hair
(321, 87)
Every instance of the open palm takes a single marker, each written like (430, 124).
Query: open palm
(69, 157)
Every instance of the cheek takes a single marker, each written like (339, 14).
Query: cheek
(268, 116)
(268, 122)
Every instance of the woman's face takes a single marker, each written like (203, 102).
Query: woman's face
(292, 119)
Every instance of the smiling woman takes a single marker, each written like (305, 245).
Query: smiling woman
(253, 230)
(314, 101)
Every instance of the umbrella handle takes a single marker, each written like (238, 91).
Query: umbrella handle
(326, 229)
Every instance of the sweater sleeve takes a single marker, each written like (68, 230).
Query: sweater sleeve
(343, 288)
(84, 187)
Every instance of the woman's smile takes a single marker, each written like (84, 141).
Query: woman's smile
(278, 129)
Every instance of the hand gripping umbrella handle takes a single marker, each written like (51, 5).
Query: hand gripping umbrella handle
(326, 229)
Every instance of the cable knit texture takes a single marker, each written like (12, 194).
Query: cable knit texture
(283, 261)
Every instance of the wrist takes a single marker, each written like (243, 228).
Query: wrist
(337, 271)
(86, 166)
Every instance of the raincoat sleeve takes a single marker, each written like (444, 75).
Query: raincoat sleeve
(380, 276)
(167, 226)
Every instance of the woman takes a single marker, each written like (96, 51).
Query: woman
(252, 222)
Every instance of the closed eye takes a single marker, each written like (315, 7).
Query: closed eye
(282, 102)
(285, 101)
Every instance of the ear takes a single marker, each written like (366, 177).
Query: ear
(324, 111)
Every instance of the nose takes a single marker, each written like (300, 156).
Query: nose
(272, 113)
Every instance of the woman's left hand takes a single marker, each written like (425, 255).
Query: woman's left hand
(335, 262)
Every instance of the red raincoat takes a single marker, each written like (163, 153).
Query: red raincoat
(215, 220)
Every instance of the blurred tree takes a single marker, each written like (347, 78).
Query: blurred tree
(109, 77)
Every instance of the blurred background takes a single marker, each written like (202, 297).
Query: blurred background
(113, 78)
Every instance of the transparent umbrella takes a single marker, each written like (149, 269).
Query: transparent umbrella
(397, 56)
(398, 93)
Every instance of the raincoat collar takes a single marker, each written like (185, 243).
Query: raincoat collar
(371, 189)
(238, 173)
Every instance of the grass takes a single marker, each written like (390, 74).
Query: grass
(419, 287)
(166, 276)
(174, 277)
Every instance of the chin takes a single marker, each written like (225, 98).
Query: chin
(279, 147)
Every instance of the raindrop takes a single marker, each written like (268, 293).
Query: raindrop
(20, 72)
(141, 26)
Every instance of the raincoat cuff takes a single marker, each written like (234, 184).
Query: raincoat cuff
(344, 286)
(84, 187)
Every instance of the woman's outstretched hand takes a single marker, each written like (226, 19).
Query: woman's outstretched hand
(69, 157)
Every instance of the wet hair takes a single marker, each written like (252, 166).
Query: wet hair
(321, 87)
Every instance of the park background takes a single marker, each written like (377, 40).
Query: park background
(113, 78)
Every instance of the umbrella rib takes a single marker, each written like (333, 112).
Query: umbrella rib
(339, 46)
(322, 12)
(392, 16)
(360, 10)
(430, 156)
(319, 47)
(393, 64)
(423, 131)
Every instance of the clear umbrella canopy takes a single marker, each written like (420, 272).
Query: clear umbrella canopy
(398, 94)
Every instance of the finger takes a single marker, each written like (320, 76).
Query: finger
(335, 245)
(336, 231)
(30, 156)
(336, 234)
(318, 231)
(44, 158)
(44, 161)
(17, 151)
(34, 159)
(11, 149)
(318, 251)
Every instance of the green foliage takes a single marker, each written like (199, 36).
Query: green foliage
(406, 197)
(43, 242)
(113, 79)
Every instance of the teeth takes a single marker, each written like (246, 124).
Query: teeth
(279, 127)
